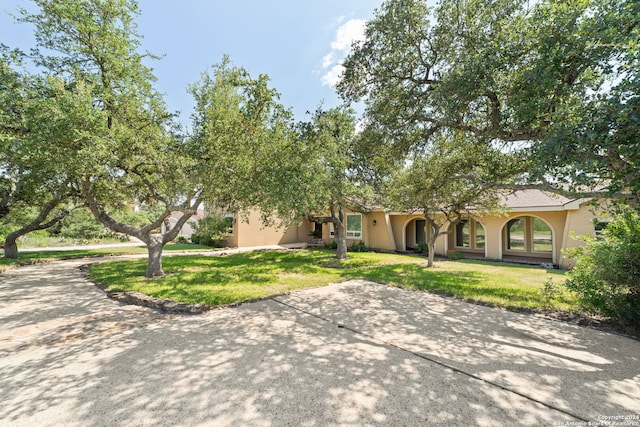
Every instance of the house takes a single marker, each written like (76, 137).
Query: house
(249, 231)
(535, 228)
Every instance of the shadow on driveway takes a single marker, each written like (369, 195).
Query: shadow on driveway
(348, 354)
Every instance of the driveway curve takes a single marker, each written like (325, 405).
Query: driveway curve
(354, 353)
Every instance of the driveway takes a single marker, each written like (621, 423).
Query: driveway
(348, 354)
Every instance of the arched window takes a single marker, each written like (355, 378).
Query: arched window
(516, 235)
(542, 236)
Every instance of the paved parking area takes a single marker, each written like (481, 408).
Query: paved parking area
(347, 354)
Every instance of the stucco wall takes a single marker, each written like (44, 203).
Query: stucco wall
(252, 232)
(580, 223)
(377, 236)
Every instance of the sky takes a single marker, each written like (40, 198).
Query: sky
(299, 44)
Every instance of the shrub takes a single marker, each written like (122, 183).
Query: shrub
(358, 247)
(333, 245)
(211, 230)
(421, 248)
(80, 224)
(606, 276)
(549, 292)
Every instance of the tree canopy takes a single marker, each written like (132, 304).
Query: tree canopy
(332, 184)
(124, 147)
(37, 151)
(441, 184)
(558, 81)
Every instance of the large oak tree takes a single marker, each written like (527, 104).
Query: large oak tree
(559, 81)
(128, 150)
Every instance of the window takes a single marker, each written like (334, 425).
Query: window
(598, 227)
(463, 234)
(228, 219)
(354, 226)
(542, 241)
(480, 237)
(515, 235)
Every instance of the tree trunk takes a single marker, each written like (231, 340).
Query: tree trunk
(341, 240)
(432, 251)
(10, 247)
(154, 264)
(432, 237)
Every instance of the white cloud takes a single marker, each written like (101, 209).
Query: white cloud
(348, 33)
(328, 60)
(332, 77)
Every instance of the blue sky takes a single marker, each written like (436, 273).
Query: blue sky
(298, 43)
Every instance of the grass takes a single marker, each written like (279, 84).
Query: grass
(28, 257)
(248, 276)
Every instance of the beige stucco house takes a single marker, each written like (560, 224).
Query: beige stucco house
(535, 228)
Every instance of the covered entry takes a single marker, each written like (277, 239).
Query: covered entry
(415, 233)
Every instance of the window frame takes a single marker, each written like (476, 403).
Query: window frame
(231, 228)
(353, 232)
(524, 235)
(332, 232)
(475, 236)
(532, 236)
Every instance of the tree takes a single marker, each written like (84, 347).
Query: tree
(37, 152)
(126, 152)
(442, 185)
(241, 137)
(559, 81)
(330, 182)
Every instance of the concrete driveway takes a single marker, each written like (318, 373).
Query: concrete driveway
(347, 354)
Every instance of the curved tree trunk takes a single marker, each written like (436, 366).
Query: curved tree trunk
(10, 241)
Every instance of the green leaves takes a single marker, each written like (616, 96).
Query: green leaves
(558, 77)
(240, 133)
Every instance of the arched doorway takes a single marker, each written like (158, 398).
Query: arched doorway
(415, 233)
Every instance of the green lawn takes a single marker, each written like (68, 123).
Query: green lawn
(247, 276)
(37, 256)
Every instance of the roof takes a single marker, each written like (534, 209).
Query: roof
(539, 200)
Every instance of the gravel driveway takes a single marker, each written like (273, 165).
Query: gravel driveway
(347, 354)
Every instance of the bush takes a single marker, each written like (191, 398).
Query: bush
(358, 247)
(80, 224)
(211, 230)
(421, 248)
(606, 276)
(333, 245)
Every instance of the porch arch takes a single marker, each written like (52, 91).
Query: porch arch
(406, 225)
(528, 239)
